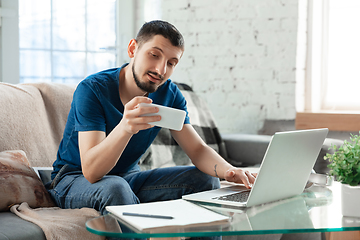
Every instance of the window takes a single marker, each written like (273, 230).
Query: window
(64, 40)
(328, 76)
(342, 81)
(333, 56)
(43, 42)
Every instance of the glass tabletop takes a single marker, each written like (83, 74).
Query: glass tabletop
(317, 209)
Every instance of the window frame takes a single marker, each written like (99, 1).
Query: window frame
(9, 41)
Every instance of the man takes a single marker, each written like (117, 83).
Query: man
(105, 135)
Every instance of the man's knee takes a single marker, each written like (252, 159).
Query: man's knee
(114, 191)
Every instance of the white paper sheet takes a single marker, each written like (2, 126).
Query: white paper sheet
(184, 213)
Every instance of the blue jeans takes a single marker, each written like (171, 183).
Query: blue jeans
(70, 189)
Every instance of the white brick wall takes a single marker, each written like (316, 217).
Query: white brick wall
(240, 56)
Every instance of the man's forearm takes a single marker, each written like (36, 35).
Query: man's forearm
(98, 160)
(209, 161)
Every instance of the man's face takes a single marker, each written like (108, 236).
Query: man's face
(154, 62)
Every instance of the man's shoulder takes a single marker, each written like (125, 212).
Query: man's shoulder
(102, 80)
(107, 75)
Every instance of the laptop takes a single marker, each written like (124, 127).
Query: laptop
(283, 173)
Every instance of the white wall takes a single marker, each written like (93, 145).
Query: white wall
(240, 56)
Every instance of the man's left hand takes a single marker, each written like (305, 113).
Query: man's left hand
(238, 175)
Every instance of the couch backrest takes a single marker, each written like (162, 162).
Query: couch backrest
(33, 118)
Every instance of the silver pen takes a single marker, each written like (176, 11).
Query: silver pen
(146, 215)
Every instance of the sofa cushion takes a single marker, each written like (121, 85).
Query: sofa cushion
(33, 118)
(20, 183)
(165, 152)
(245, 150)
(14, 228)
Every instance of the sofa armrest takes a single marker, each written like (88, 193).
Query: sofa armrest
(245, 149)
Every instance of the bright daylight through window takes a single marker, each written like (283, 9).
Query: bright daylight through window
(65, 40)
(333, 56)
(343, 75)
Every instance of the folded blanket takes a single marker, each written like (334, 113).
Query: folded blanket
(59, 223)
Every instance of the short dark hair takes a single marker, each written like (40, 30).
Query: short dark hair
(158, 27)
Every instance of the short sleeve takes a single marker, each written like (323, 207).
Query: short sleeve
(89, 114)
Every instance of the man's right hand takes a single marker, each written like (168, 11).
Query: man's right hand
(132, 121)
(99, 153)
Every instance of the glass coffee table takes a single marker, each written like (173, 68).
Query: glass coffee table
(317, 209)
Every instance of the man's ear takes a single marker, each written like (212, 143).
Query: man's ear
(132, 48)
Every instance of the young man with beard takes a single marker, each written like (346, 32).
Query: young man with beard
(105, 134)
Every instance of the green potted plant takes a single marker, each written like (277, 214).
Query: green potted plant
(345, 167)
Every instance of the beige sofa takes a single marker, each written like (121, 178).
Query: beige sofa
(33, 117)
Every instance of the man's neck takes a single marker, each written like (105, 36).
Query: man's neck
(127, 86)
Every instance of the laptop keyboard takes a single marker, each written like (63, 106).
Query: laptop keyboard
(235, 197)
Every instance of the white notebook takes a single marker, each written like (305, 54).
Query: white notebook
(184, 214)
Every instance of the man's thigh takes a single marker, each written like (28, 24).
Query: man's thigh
(170, 183)
(74, 191)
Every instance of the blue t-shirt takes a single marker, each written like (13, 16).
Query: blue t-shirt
(96, 106)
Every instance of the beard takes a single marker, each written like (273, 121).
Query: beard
(149, 87)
